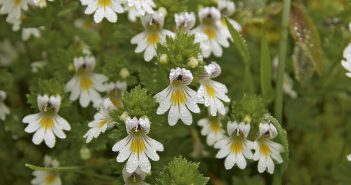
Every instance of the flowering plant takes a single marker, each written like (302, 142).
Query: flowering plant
(163, 92)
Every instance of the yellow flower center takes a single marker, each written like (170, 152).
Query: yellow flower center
(210, 32)
(102, 123)
(47, 122)
(215, 125)
(17, 2)
(153, 38)
(236, 147)
(104, 3)
(264, 149)
(85, 82)
(138, 145)
(115, 97)
(178, 96)
(210, 90)
(50, 178)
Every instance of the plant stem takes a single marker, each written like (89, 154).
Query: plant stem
(278, 106)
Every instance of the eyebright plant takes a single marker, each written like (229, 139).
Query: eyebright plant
(166, 92)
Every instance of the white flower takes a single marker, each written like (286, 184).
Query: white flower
(47, 177)
(213, 92)
(235, 147)
(135, 178)
(137, 146)
(216, 36)
(85, 84)
(348, 157)
(185, 21)
(103, 9)
(153, 34)
(8, 52)
(346, 62)
(288, 83)
(178, 98)
(14, 9)
(41, 3)
(350, 26)
(227, 8)
(27, 33)
(3, 108)
(266, 149)
(47, 124)
(115, 91)
(212, 128)
(102, 120)
(137, 8)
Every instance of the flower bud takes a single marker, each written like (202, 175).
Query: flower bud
(124, 116)
(163, 59)
(193, 62)
(124, 73)
(85, 153)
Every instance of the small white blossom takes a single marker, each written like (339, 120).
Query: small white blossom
(47, 124)
(235, 147)
(212, 128)
(102, 120)
(47, 177)
(115, 91)
(8, 52)
(178, 98)
(27, 33)
(13, 9)
(348, 157)
(185, 21)
(138, 8)
(213, 92)
(346, 62)
(137, 147)
(153, 34)
(41, 3)
(266, 149)
(4, 110)
(103, 9)
(227, 8)
(288, 83)
(85, 84)
(135, 178)
(216, 34)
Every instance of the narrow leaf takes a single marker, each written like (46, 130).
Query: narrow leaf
(266, 71)
(239, 42)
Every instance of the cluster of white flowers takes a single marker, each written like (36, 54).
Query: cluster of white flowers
(110, 8)
(47, 177)
(4, 110)
(237, 148)
(13, 9)
(180, 99)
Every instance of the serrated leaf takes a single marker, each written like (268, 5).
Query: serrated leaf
(305, 34)
(266, 71)
(181, 172)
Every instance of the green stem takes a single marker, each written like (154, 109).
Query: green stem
(278, 106)
(63, 168)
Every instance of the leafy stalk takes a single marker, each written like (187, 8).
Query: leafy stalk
(278, 106)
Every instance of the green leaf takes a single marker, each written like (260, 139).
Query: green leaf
(266, 71)
(239, 42)
(181, 172)
(305, 34)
